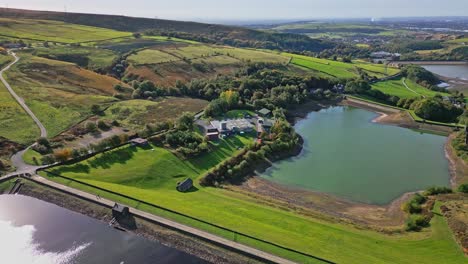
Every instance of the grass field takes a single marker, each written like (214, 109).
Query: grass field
(55, 31)
(15, 123)
(97, 58)
(340, 69)
(41, 82)
(151, 175)
(4, 60)
(397, 88)
(136, 114)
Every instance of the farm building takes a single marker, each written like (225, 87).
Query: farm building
(119, 210)
(233, 125)
(208, 130)
(264, 112)
(139, 142)
(184, 185)
(264, 126)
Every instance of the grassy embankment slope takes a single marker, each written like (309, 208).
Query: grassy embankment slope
(59, 93)
(151, 175)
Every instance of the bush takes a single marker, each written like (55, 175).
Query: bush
(91, 127)
(103, 125)
(463, 188)
(417, 222)
(413, 206)
(437, 190)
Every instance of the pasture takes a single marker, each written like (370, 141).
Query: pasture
(15, 123)
(55, 31)
(151, 175)
(88, 57)
(340, 69)
(59, 93)
(397, 88)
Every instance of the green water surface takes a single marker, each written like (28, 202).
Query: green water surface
(348, 155)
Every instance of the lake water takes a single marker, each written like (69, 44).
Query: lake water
(450, 71)
(348, 155)
(36, 232)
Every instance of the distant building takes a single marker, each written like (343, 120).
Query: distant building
(383, 56)
(264, 126)
(184, 185)
(264, 112)
(139, 142)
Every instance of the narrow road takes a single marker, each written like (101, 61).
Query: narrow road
(19, 99)
(166, 222)
(17, 158)
(404, 83)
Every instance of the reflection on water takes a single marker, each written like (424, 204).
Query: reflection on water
(36, 232)
(20, 247)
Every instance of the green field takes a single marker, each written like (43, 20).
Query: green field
(397, 88)
(15, 123)
(136, 114)
(41, 81)
(55, 31)
(340, 69)
(4, 60)
(151, 175)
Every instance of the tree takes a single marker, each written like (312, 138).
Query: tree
(231, 97)
(185, 121)
(43, 141)
(102, 125)
(136, 35)
(357, 86)
(463, 188)
(63, 154)
(95, 109)
(91, 127)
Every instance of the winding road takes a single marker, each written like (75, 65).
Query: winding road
(17, 158)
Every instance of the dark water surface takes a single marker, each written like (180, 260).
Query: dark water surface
(348, 155)
(35, 232)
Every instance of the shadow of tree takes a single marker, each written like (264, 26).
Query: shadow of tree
(77, 168)
(107, 159)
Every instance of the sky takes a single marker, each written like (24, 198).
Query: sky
(213, 10)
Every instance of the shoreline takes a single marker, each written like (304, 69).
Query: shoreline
(386, 218)
(143, 228)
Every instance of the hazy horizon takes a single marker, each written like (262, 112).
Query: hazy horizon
(253, 10)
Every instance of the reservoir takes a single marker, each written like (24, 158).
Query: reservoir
(36, 232)
(450, 71)
(348, 155)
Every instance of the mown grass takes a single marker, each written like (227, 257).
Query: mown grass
(59, 93)
(151, 176)
(30, 155)
(55, 31)
(136, 114)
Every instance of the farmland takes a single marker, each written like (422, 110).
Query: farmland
(340, 69)
(40, 81)
(88, 57)
(55, 31)
(150, 175)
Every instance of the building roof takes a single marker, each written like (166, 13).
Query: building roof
(119, 208)
(264, 111)
(185, 185)
(241, 124)
(139, 141)
(267, 123)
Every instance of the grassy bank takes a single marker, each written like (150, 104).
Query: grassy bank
(150, 175)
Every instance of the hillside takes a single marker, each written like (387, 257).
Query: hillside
(210, 33)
